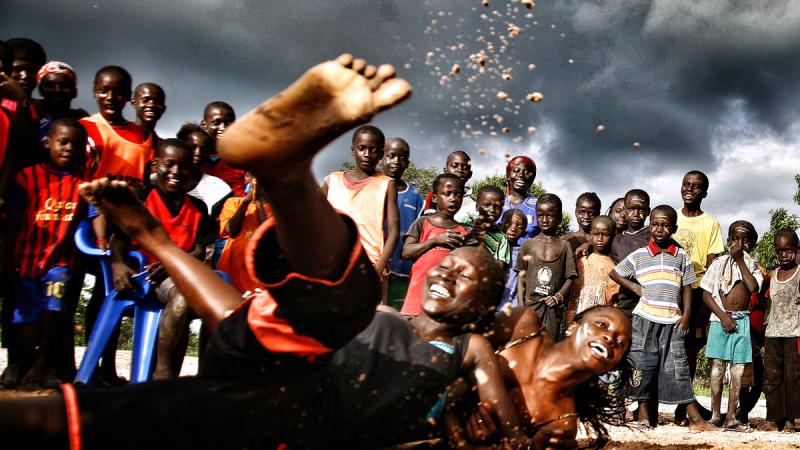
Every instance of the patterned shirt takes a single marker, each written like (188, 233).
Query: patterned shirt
(662, 273)
(723, 274)
(783, 314)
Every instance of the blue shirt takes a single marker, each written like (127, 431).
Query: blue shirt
(409, 206)
(528, 207)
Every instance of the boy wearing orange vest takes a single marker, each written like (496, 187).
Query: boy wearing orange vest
(369, 197)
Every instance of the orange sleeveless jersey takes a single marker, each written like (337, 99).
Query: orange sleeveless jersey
(365, 202)
(118, 157)
(182, 228)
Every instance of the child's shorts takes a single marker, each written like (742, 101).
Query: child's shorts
(734, 347)
(33, 296)
(658, 352)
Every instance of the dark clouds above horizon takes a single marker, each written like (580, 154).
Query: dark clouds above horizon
(700, 85)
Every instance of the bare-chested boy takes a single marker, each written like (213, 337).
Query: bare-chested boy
(727, 287)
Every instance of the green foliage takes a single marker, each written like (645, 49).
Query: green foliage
(797, 194)
(765, 248)
(422, 178)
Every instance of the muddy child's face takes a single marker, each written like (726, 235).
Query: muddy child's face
(662, 227)
(601, 338)
(459, 166)
(548, 216)
(786, 251)
(516, 228)
(490, 206)
(601, 237)
(636, 210)
(618, 214)
(585, 212)
(395, 160)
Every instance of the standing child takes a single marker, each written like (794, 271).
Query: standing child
(546, 266)
(637, 208)
(45, 205)
(782, 336)
(728, 285)
(700, 236)
(396, 158)
(514, 223)
(660, 274)
(587, 207)
(369, 197)
(593, 286)
(217, 117)
(484, 226)
(617, 212)
(57, 83)
(432, 237)
(459, 164)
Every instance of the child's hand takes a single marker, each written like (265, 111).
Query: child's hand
(480, 425)
(728, 324)
(449, 238)
(737, 251)
(583, 250)
(157, 273)
(637, 290)
(550, 300)
(682, 325)
(121, 274)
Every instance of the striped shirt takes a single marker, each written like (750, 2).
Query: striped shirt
(661, 273)
(49, 207)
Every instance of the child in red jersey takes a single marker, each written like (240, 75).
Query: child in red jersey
(189, 226)
(45, 204)
(150, 103)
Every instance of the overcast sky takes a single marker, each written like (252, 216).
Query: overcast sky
(677, 84)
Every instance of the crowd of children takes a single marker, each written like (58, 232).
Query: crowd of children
(667, 270)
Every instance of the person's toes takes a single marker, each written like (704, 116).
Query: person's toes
(390, 93)
(345, 59)
(384, 72)
(369, 71)
(359, 65)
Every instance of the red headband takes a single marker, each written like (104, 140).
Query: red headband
(56, 67)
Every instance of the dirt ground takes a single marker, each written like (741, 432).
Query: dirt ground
(664, 437)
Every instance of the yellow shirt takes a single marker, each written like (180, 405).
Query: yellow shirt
(699, 236)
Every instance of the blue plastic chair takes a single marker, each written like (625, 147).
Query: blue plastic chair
(146, 315)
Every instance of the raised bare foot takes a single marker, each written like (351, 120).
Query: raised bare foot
(285, 132)
(119, 203)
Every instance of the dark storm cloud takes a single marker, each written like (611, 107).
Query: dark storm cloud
(661, 73)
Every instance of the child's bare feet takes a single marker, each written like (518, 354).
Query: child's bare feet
(285, 132)
(119, 203)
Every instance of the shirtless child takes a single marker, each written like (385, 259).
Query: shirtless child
(727, 286)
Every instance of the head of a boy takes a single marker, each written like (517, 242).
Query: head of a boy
(28, 58)
(217, 117)
(150, 102)
(744, 234)
(663, 224)
(602, 234)
(786, 247)
(463, 288)
(448, 194)
(112, 90)
(513, 225)
(396, 158)
(548, 213)
(57, 83)
(694, 187)
(490, 203)
(637, 208)
(200, 142)
(367, 148)
(587, 207)
(459, 163)
(173, 165)
(66, 141)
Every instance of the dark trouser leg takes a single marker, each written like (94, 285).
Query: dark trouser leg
(773, 379)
